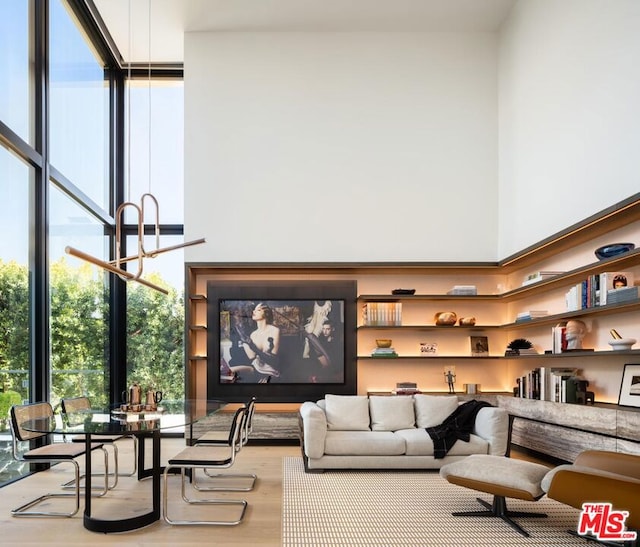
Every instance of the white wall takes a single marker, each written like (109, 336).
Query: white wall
(341, 146)
(569, 100)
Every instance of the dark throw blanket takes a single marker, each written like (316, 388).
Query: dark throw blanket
(458, 425)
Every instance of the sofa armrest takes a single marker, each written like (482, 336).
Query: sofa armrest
(314, 429)
(492, 424)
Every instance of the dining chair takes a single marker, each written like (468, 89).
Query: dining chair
(79, 404)
(226, 482)
(211, 456)
(56, 452)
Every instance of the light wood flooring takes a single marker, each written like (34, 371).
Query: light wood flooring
(262, 524)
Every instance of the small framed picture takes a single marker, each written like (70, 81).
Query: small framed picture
(428, 349)
(630, 386)
(479, 345)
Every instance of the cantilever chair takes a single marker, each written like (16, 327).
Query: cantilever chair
(79, 404)
(49, 454)
(207, 457)
(599, 476)
(224, 481)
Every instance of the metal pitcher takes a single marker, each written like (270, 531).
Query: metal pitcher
(133, 396)
(153, 397)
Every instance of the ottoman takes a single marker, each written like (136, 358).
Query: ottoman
(504, 478)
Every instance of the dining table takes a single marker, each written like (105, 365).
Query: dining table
(125, 421)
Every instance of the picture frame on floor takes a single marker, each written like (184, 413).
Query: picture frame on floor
(630, 386)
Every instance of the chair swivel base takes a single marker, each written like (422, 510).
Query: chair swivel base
(499, 509)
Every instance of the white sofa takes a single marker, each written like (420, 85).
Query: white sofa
(379, 432)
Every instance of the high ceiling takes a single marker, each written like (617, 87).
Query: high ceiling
(153, 30)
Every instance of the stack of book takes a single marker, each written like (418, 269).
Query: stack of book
(530, 314)
(406, 388)
(384, 353)
(611, 283)
(625, 294)
(466, 290)
(382, 314)
(541, 275)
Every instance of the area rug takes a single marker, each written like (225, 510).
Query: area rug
(405, 508)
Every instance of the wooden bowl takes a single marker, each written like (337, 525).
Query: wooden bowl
(383, 342)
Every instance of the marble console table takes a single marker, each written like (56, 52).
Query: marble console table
(563, 430)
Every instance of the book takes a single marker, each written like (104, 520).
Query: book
(610, 281)
(384, 353)
(625, 294)
(531, 314)
(463, 290)
(382, 314)
(541, 275)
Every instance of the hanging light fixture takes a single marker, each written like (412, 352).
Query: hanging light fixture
(116, 266)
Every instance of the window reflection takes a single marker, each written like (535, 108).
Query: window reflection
(15, 178)
(16, 91)
(155, 322)
(156, 147)
(79, 119)
(79, 304)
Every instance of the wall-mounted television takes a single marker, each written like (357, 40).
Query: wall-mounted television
(281, 341)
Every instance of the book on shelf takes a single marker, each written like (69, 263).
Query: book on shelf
(463, 290)
(559, 338)
(382, 314)
(406, 388)
(535, 277)
(625, 294)
(555, 384)
(530, 314)
(384, 353)
(612, 281)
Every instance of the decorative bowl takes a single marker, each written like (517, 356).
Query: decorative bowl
(445, 318)
(620, 344)
(383, 342)
(613, 249)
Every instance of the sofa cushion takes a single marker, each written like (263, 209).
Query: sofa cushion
(418, 443)
(391, 413)
(431, 410)
(363, 443)
(347, 412)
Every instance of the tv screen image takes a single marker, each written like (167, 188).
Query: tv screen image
(281, 341)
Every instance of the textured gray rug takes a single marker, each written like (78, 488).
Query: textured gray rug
(405, 508)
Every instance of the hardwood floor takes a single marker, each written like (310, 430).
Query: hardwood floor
(262, 525)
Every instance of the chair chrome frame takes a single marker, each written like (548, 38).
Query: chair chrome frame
(212, 439)
(48, 454)
(202, 457)
(76, 404)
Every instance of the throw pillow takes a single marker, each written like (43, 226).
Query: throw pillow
(347, 412)
(391, 413)
(431, 410)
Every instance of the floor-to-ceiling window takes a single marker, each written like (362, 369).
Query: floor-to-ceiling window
(155, 322)
(78, 121)
(65, 323)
